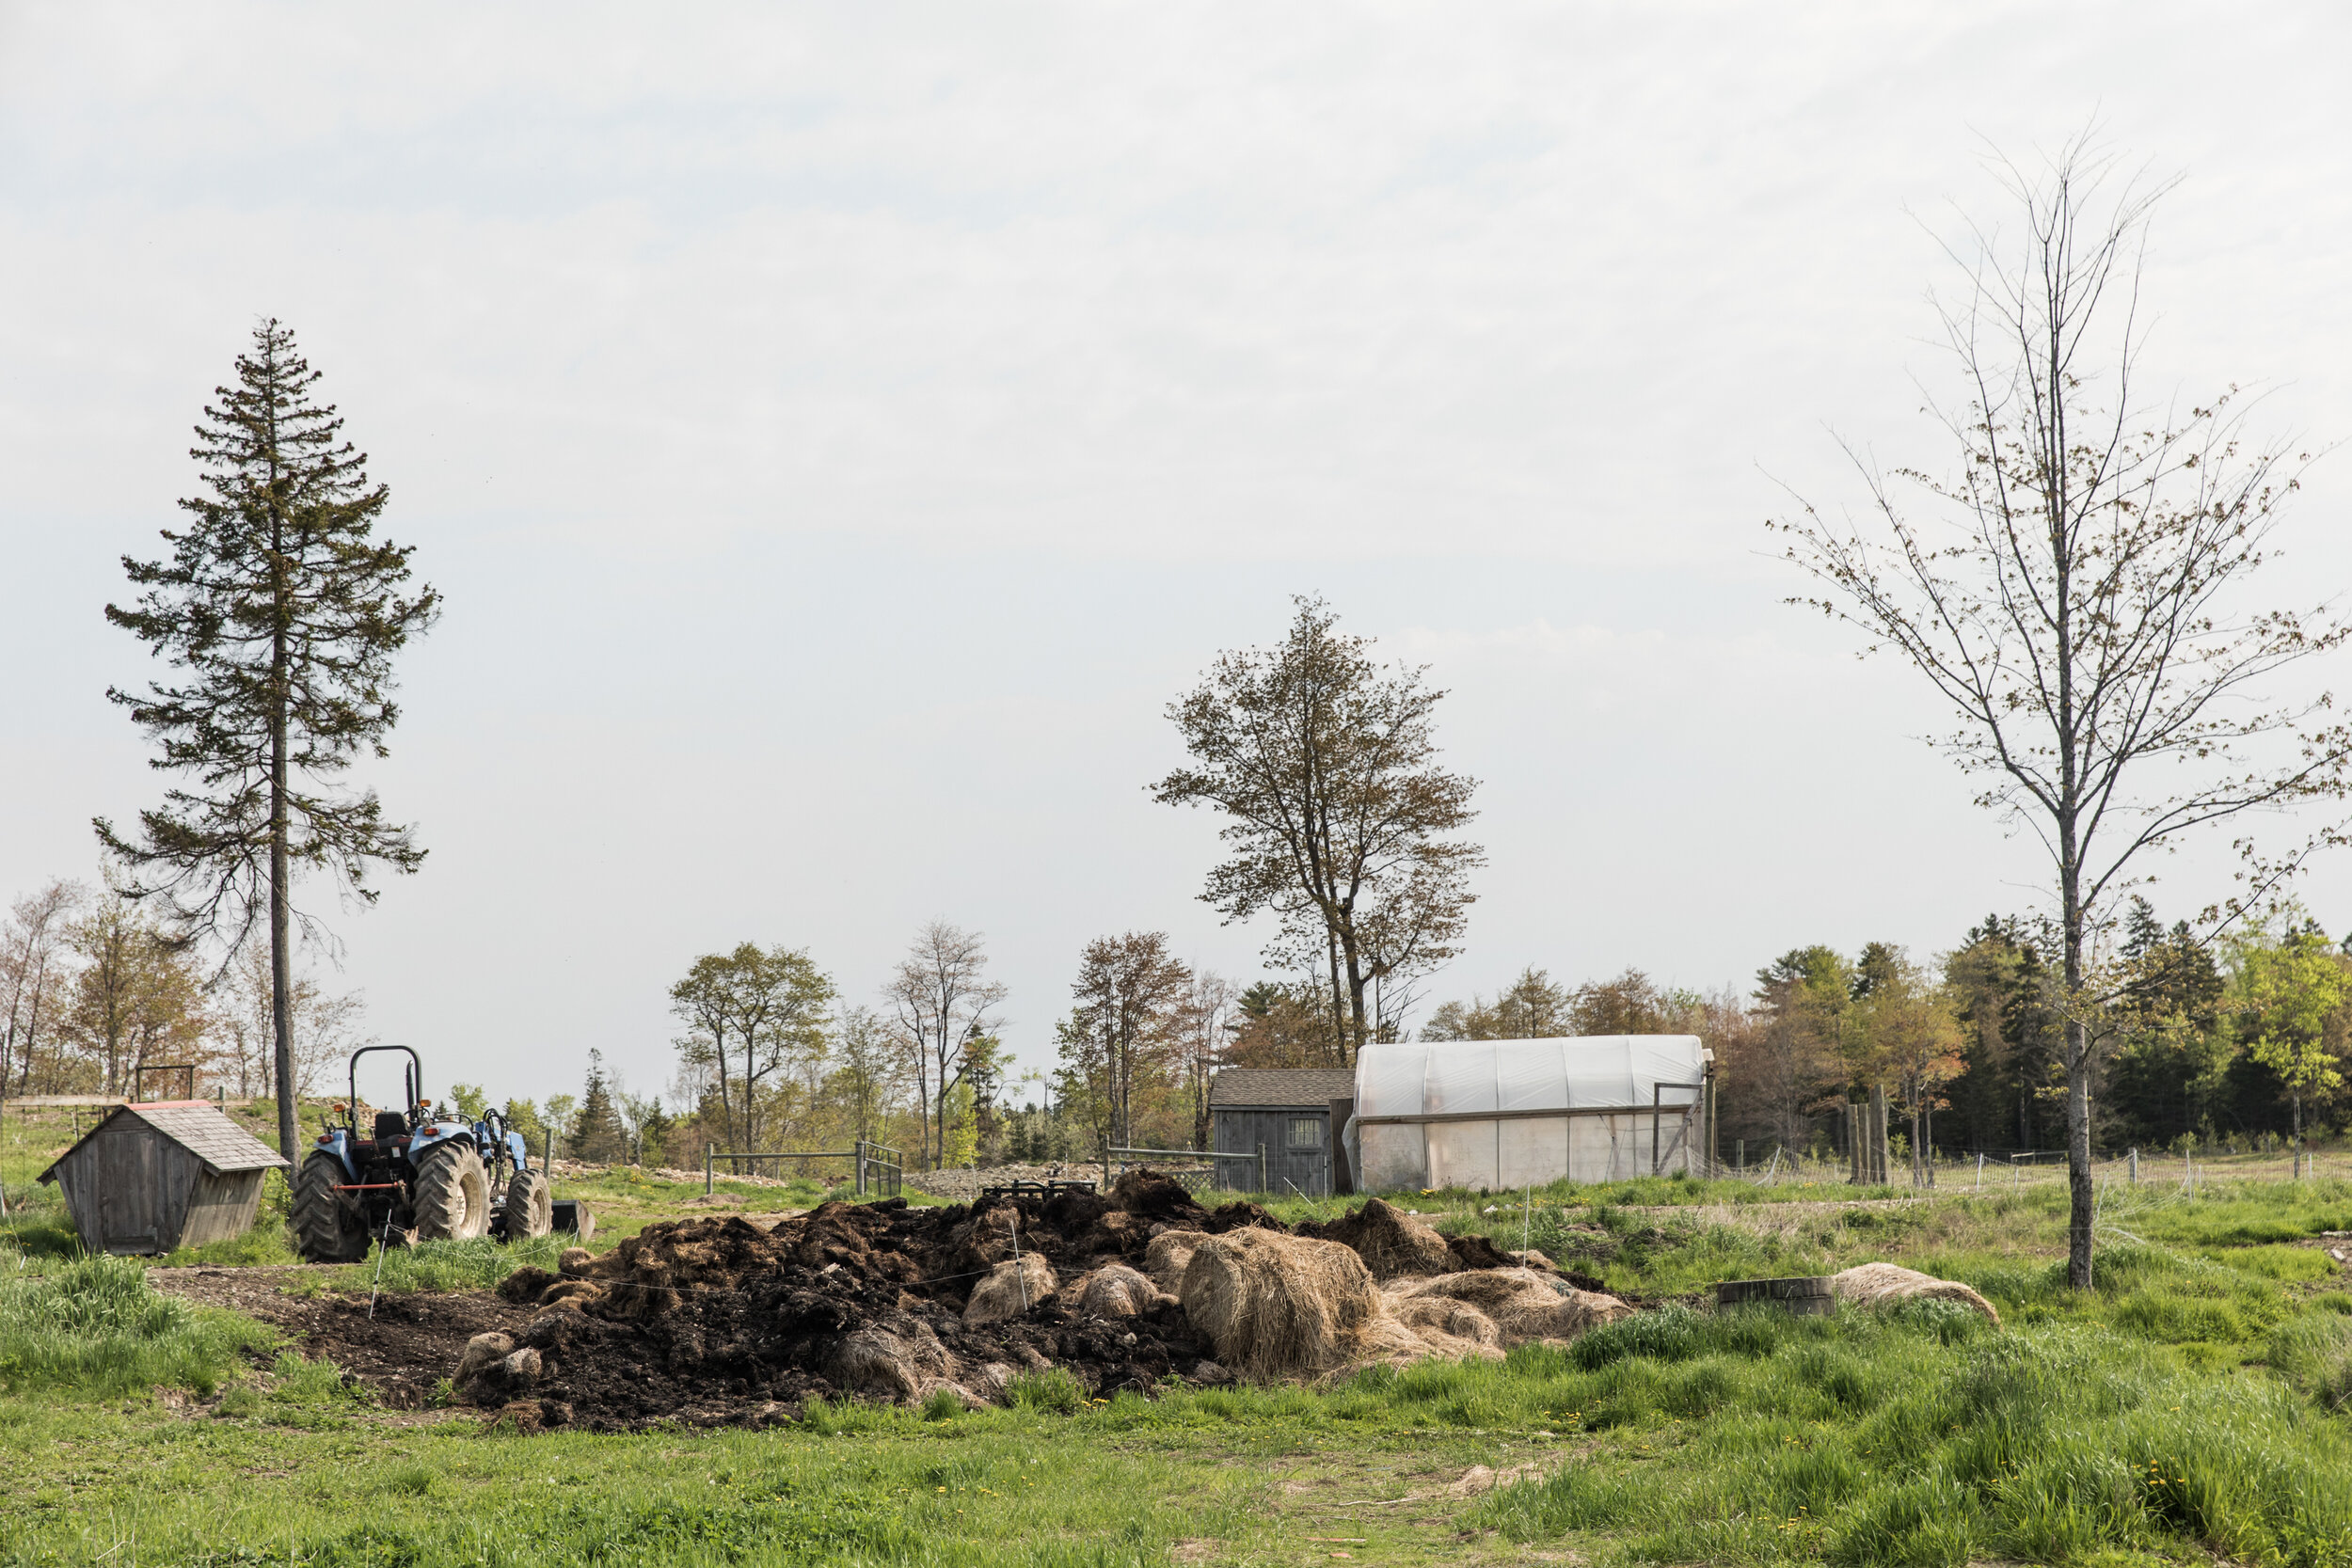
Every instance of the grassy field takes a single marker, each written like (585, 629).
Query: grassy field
(2196, 1404)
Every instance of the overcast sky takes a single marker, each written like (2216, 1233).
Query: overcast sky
(840, 431)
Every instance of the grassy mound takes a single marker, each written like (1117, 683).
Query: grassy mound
(96, 1325)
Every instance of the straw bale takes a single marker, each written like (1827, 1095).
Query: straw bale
(522, 1368)
(1011, 1289)
(482, 1351)
(1113, 1291)
(1393, 1243)
(1884, 1284)
(1523, 1305)
(872, 1361)
(525, 1283)
(1166, 1258)
(1279, 1306)
(1455, 1320)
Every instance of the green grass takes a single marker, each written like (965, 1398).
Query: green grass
(95, 1326)
(2197, 1404)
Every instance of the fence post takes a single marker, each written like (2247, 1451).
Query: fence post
(707, 1150)
(2135, 1167)
(1261, 1170)
(1979, 1171)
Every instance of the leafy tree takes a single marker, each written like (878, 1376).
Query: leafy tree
(283, 613)
(866, 1083)
(1128, 1024)
(2290, 987)
(1285, 1026)
(138, 1000)
(1913, 1036)
(751, 1015)
(1631, 1005)
(2003, 998)
(470, 1101)
(2172, 1069)
(1804, 997)
(1323, 764)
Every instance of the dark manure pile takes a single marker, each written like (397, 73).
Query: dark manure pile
(715, 1321)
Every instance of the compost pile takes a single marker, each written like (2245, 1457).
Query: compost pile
(716, 1321)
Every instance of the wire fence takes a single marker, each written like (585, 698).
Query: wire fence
(2015, 1170)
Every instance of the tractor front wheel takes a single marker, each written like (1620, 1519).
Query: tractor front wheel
(530, 1207)
(452, 1197)
(325, 1229)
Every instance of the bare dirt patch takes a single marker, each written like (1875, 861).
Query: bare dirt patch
(401, 1355)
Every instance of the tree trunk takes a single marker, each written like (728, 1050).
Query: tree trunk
(2081, 1185)
(280, 896)
(280, 956)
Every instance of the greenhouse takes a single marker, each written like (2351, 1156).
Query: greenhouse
(1504, 1114)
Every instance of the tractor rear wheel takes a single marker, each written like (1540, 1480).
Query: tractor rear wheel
(530, 1207)
(451, 1198)
(326, 1230)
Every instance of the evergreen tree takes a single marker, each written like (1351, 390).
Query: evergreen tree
(596, 1135)
(283, 613)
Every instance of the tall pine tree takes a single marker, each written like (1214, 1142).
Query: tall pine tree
(281, 615)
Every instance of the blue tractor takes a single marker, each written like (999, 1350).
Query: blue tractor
(417, 1174)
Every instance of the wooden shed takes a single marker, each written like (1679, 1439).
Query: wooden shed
(1288, 1113)
(168, 1174)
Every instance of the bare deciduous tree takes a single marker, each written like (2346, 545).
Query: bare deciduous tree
(940, 1002)
(2073, 591)
(1325, 767)
(33, 978)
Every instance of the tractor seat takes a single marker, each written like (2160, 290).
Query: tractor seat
(390, 1125)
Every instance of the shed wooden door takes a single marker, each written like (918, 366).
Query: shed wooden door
(1297, 1141)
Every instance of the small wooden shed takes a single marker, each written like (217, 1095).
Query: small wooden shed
(167, 1174)
(1286, 1112)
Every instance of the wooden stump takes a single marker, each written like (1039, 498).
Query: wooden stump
(1806, 1294)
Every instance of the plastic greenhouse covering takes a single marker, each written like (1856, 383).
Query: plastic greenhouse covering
(1579, 1107)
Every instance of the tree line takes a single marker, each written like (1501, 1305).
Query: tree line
(93, 989)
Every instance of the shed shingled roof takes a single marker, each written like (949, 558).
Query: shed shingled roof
(198, 1126)
(1297, 1085)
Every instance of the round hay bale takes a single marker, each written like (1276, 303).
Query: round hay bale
(1009, 1290)
(1523, 1306)
(1113, 1291)
(482, 1351)
(872, 1361)
(1166, 1258)
(1279, 1306)
(1885, 1283)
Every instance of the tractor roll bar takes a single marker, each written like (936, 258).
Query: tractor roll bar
(413, 1074)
